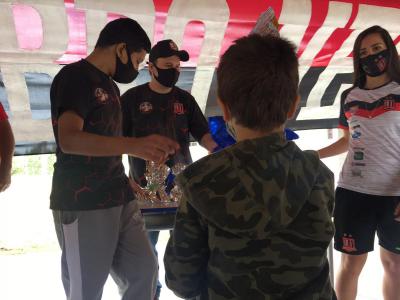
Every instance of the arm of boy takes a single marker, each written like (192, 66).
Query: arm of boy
(187, 253)
(322, 198)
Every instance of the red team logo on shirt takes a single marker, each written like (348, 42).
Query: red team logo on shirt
(173, 46)
(146, 107)
(388, 104)
(349, 243)
(381, 63)
(101, 95)
(353, 110)
(179, 109)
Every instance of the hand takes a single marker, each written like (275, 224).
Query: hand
(208, 143)
(139, 191)
(397, 213)
(154, 147)
(5, 178)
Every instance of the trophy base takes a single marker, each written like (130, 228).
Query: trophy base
(145, 204)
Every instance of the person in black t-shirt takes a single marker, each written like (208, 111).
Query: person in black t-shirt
(99, 227)
(160, 107)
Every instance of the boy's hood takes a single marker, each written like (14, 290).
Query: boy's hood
(248, 189)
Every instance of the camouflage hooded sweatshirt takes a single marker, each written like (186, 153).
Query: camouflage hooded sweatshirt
(254, 223)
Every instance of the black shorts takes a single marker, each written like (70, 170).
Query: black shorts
(359, 216)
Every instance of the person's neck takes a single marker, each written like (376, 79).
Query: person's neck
(375, 82)
(155, 86)
(101, 60)
(244, 133)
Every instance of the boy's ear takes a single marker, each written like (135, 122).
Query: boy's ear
(152, 69)
(293, 108)
(225, 110)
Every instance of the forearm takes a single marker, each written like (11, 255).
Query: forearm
(182, 276)
(73, 140)
(322, 199)
(339, 147)
(84, 143)
(186, 254)
(208, 142)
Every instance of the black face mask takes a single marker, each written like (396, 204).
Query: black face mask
(125, 73)
(375, 64)
(167, 77)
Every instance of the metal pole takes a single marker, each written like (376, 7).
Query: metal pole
(330, 259)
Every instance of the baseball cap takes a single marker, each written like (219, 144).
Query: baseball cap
(167, 48)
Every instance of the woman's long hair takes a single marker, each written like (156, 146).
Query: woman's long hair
(393, 69)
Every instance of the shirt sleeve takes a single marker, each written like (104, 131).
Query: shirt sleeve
(71, 91)
(187, 253)
(198, 125)
(342, 116)
(3, 115)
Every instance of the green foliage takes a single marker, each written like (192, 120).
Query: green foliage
(33, 165)
(17, 170)
(51, 159)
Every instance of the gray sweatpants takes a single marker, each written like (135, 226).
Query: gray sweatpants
(96, 243)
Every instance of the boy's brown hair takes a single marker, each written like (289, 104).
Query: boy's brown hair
(258, 81)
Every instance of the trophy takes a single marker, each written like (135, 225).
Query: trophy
(161, 185)
(267, 24)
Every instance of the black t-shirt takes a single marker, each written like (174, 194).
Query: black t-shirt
(85, 182)
(175, 115)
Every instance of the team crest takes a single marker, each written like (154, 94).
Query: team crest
(146, 107)
(173, 46)
(179, 109)
(101, 95)
(349, 243)
(381, 63)
(388, 104)
(353, 109)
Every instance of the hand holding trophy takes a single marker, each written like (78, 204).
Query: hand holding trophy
(160, 178)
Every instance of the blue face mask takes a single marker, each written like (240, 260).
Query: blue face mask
(375, 64)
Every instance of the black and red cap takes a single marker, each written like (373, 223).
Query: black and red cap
(167, 48)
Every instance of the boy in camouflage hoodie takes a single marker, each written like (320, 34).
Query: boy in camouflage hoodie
(255, 218)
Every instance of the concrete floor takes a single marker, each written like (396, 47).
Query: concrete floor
(30, 257)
